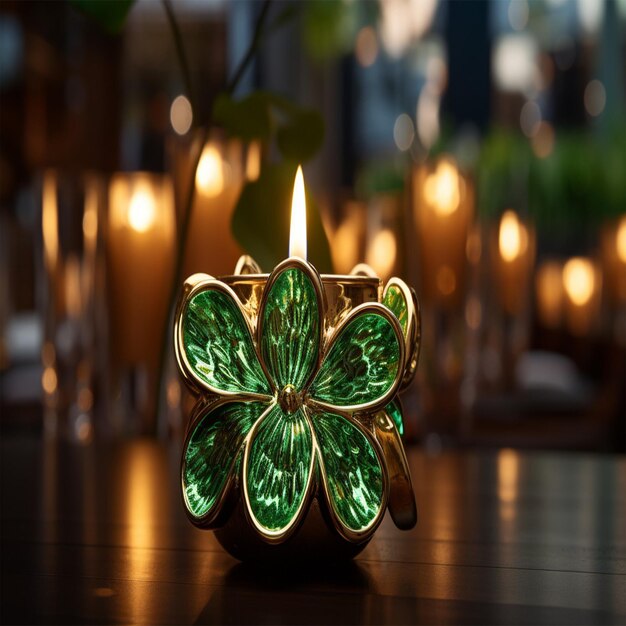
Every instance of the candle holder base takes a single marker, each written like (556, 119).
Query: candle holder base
(314, 540)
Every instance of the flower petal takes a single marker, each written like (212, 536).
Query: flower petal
(210, 451)
(399, 298)
(352, 473)
(395, 301)
(215, 342)
(362, 367)
(291, 323)
(278, 469)
(394, 411)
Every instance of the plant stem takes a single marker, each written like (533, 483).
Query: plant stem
(252, 49)
(180, 53)
(185, 221)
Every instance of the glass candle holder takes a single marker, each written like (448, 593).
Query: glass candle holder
(140, 261)
(72, 213)
(442, 200)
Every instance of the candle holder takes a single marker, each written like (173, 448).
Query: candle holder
(294, 446)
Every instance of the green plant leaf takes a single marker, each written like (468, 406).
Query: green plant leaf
(329, 28)
(248, 118)
(302, 136)
(263, 215)
(111, 15)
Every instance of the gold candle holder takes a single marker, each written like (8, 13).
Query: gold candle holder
(319, 532)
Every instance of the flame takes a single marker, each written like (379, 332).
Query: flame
(441, 189)
(297, 232)
(142, 209)
(512, 239)
(579, 280)
(210, 174)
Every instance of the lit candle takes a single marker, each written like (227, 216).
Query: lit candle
(140, 260)
(443, 209)
(515, 252)
(549, 293)
(581, 284)
(210, 246)
(297, 231)
(286, 340)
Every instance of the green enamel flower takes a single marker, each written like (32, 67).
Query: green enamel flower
(286, 396)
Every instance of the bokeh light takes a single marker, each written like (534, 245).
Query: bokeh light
(181, 115)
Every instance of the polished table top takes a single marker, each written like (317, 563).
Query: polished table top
(98, 535)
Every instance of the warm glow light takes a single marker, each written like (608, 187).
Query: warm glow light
(49, 380)
(441, 189)
(512, 239)
(50, 220)
(366, 46)
(210, 174)
(142, 209)
(181, 115)
(620, 240)
(71, 284)
(508, 480)
(297, 232)
(549, 293)
(253, 161)
(579, 280)
(90, 218)
(381, 253)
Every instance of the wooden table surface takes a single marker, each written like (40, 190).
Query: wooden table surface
(98, 535)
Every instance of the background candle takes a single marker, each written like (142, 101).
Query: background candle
(582, 287)
(222, 169)
(549, 293)
(513, 262)
(443, 206)
(140, 261)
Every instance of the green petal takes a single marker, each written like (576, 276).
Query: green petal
(290, 329)
(362, 363)
(211, 452)
(277, 469)
(394, 410)
(395, 301)
(218, 345)
(354, 476)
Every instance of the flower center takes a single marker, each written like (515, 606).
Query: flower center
(289, 399)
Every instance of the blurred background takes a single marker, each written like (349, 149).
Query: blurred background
(475, 149)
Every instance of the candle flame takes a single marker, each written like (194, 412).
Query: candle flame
(441, 189)
(297, 232)
(142, 209)
(210, 173)
(512, 237)
(579, 280)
